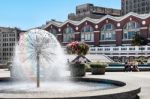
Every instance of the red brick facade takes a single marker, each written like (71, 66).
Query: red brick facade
(119, 36)
(97, 24)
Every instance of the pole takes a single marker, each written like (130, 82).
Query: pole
(38, 71)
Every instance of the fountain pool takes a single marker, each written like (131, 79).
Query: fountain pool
(39, 71)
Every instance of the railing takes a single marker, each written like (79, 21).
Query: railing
(121, 50)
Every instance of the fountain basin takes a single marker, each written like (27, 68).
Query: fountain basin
(114, 90)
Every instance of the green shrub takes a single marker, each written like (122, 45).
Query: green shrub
(98, 65)
(87, 65)
(77, 65)
(116, 64)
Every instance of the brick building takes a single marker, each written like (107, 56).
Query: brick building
(95, 12)
(108, 35)
(106, 31)
(137, 6)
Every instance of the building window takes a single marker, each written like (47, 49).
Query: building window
(149, 32)
(87, 33)
(54, 32)
(100, 49)
(108, 32)
(130, 29)
(68, 34)
(123, 49)
(131, 49)
(148, 48)
(115, 49)
(141, 48)
(107, 49)
(12, 35)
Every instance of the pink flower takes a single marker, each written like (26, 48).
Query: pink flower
(77, 48)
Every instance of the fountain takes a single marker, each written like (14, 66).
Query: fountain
(38, 50)
(39, 71)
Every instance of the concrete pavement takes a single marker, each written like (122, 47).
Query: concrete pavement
(139, 78)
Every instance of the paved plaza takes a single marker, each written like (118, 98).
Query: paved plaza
(139, 78)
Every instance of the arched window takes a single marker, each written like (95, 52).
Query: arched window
(53, 31)
(149, 31)
(108, 32)
(68, 34)
(130, 29)
(87, 33)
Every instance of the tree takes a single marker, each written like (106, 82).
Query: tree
(138, 40)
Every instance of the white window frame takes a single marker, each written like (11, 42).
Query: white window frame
(127, 29)
(68, 36)
(87, 36)
(108, 33)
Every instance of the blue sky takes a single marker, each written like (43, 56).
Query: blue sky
(27, 14)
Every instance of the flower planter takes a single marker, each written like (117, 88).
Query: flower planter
(98, 70)
(79, 48)
(77, 70)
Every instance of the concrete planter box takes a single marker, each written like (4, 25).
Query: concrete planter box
(98, 70)
(77, 70)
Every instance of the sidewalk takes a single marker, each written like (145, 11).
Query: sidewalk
(140, 78)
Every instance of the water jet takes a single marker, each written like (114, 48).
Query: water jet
(39, 59)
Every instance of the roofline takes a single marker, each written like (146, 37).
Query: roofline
(96, 21)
